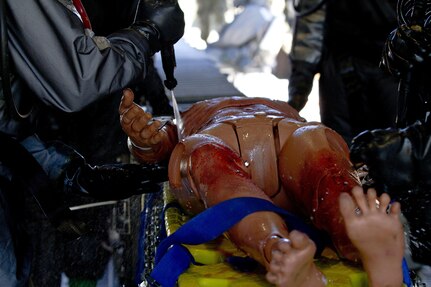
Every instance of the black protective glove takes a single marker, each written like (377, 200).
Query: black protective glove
(113, 181)
(300, 83)
(161, 22)
(406, 48)
(387, 154)
(399, 161)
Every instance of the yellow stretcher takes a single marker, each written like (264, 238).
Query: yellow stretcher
(213, 271)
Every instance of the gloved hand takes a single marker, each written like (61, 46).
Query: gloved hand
(113, 181)
(398, 159)
(161, 22)
(300, 83)
(406, 47)
(387, 156)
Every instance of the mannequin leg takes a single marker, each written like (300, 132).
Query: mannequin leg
(315, 169)
(216, 173)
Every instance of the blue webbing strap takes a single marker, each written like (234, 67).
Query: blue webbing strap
(172, 259)
(406, 274)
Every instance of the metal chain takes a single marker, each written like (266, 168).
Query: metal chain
(152, 237)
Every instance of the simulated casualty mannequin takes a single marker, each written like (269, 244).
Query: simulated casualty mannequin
(254, 147)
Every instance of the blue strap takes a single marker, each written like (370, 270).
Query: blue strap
(172, 265)
(406, 274)
(210, 224)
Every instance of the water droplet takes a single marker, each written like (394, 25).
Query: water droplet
(247, 164)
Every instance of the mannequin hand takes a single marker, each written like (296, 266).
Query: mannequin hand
(142, 129)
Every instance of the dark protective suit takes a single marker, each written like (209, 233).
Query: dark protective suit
(398, 159)
(343, 41)
(58, 67)
(407, 56)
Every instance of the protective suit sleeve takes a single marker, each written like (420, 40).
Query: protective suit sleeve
(308, 34)
(65, 67)
(306, 52)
